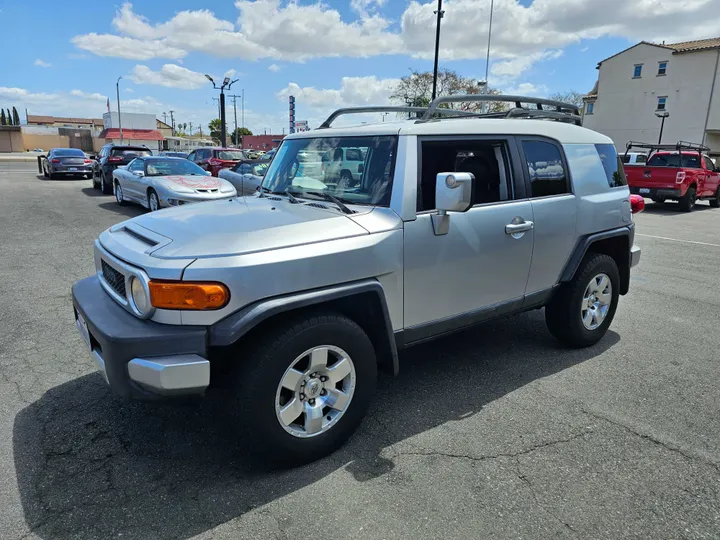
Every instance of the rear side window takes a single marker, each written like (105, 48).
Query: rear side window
(546, 168)
(614, 172)
(353, 154)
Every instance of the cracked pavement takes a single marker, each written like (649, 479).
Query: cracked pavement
(492, 433)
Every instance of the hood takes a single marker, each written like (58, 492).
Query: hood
(193, 183)
(243, 225)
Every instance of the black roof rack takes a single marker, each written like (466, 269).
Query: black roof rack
(678, 146)
(387, 108)
(564, 112)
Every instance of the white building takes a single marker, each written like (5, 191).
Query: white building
(650, 79)
(137, 129)
(185, 144)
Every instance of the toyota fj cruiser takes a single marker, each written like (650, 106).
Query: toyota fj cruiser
(298, 293)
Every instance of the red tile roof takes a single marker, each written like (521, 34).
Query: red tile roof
(132, 134)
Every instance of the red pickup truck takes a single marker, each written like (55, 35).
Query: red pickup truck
(681, 172)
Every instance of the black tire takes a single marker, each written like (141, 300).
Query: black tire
(45, 173)
(264, 366)
(89, 176)
(563, 315)
(106, 187)
(96, 184)
(118, 194)
(658, 200)
(715, 201)
(688, 201)
(52, 176)
(151, 194)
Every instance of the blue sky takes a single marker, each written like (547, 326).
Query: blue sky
(330, 54)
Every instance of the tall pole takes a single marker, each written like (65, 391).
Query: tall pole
(172, 122)
(439, 13)
(243, 107)
(117, 88)
(487, 58)
(235, 115)
(662, 126)
(223, 134)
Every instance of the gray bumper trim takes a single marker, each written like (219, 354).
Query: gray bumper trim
(99, 363)
(181, 374)
(634, 256)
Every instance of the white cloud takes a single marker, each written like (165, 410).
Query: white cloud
(230, 73)
(125, 47)
(527, 89)
(515, 67)
(363, 6)
(93, 96)
(274, 68)
(41, 63)
(129, 90)
(22, 95)
(170, 75)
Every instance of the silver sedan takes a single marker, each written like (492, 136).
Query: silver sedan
(158, 182)
(246, 176)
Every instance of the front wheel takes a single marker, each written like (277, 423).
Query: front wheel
(119, 197)
(305, 387)
(582, 310)
(153, 201)
(688, 201)
(715, 201)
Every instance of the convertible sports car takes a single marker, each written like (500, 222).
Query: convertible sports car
(157, 182)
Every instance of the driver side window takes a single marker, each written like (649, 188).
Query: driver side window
(136, 165)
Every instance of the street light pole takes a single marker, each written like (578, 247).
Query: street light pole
(117, 88)
(227, 83)
(440, 14)
(663, 115)
(487, 58)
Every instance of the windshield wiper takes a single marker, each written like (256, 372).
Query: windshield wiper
(263, 190)
(330, 198)
(291, 197)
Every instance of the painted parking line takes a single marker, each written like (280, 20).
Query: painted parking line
(677, 240)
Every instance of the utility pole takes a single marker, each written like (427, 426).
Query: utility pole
(117, 88)
(439, 14)
(164, 115)
(235, 111)
(190, 126)
(243, 107)
(172, 122)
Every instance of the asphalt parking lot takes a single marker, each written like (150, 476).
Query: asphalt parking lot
(492, 433)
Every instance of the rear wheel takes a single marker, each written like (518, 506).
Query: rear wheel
(94, 177)
(45, 173)
(119, 198)
(688, 201)
(153, 201)
(582, 310)
(106, 186)
(307, 388)
(715, 201)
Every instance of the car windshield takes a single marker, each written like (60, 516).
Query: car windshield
(232, 155)
(691, 161)
(130, 152)
(299, 167)
(172, 166)
(260, 169)
(174, 154)
(69, 152)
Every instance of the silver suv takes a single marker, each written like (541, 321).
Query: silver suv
(299, 293)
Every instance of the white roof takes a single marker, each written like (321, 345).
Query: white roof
(561, 131)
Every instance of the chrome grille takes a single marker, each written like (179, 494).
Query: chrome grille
(115, 279)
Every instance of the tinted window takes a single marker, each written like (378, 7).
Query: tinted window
(353, 154)
(130, 152)
(642, 158)
(229, 155)
(135, 165)
(260, 169)
(244, 169)
(691, 161)
(69, 152)
(709, 165)
(625, 158)
(545, 165)
(613, 168)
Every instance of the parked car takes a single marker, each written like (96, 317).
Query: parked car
(251, 153)
(110, 157)
(681, 172)
(166, 153)
(634, 158)
(269, 154)
(345, 165)
(295, 297)
(216, 159)
(158, 182)
(246, 176)
(67, 162)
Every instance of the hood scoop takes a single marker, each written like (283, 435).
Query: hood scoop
(317, 205)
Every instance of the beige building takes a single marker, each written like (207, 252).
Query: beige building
(638, 85)
(164, 128)
(63, 122)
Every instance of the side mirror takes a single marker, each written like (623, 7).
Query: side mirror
(453, 193)
(138, 173)
(208, 173)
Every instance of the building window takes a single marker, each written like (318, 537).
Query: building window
(590, 107)
(662, 101)
(637, 73)
(662, 68)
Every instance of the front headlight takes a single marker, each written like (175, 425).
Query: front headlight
(139, 296)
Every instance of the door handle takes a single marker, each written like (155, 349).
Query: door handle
(515, 228)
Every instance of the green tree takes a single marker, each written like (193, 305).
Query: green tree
(8, 117)
(238, 134)
(16, 117)
(3, 120)
(215, 127)
(415, 90)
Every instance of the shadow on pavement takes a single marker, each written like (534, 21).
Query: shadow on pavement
(673, 208)
(68, 178)
(129, 210)
(92, 192)
(91, 466)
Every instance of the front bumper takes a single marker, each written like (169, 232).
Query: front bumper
(180, 199)
(658, 193)
(138, 358)
(635, 253)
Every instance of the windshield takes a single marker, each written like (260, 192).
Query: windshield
(175, 154)
(260, 169)
(69, 152)
(691, 161)
(299, 167)
(167, 167)
(231, 155)
(130, 152)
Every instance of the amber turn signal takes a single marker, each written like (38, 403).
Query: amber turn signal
(188, 295)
